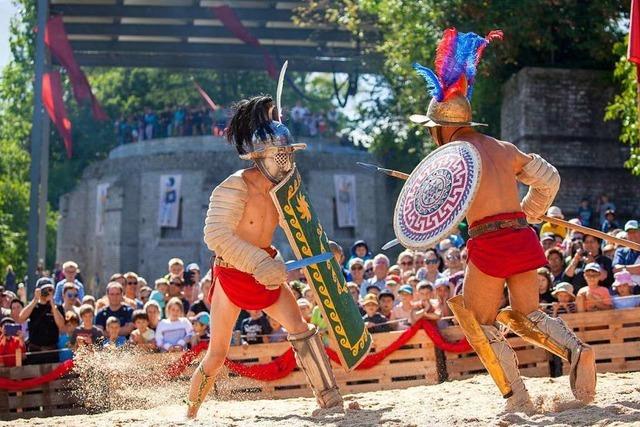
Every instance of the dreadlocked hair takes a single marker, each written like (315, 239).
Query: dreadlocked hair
(251, 115)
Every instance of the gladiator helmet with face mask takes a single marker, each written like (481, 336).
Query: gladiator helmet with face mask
(451, 84)
(272, 149)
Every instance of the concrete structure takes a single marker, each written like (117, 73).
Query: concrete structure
(560, 115)
(132, 239)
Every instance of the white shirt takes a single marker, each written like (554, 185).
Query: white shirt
(170, 333)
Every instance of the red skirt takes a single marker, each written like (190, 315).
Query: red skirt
(507, 252)
(242, 289)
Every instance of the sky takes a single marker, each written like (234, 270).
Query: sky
(7, 11)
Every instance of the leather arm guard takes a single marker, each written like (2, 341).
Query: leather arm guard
(226, 205)
(543, 180)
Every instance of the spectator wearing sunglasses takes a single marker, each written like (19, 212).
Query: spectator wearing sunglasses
(356, 268)
(406, 262)
(368, 269)
(70, 299)
(131, 291)
(431, 270)
(453, 262)
(380, 271)
(176, 286)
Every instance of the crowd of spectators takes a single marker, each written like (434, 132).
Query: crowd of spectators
(583, 273)
(183, 120)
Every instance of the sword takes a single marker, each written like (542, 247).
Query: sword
(305, 262)
(390, 172)
(283, 70)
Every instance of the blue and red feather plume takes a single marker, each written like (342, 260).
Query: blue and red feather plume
(456, 63)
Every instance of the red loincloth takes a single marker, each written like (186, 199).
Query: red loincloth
(504, 253)
(242, 288)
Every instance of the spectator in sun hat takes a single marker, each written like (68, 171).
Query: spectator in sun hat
(402, 310)
(623, 287)
(373, 320)
(563, 293)
(547, 240)
(593, 297)
(547, 227)
(627, 258)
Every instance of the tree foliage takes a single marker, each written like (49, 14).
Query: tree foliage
(547, 33)
(624, 106)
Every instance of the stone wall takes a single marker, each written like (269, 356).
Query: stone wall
(559, 114)
(132, 239)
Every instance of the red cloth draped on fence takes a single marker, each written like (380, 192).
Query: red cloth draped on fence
(232, 23)
(19, 385)
(284, 364)
(55, 37)
(54, 104)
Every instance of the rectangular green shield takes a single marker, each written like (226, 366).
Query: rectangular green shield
(307, 238)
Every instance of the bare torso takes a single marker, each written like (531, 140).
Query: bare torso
(260, 217)
(501, 161)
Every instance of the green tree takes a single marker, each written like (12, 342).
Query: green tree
(624, 106)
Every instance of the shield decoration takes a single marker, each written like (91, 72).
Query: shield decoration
(437, 195)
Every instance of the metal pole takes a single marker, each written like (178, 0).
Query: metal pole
(44, 188)
(36, 147)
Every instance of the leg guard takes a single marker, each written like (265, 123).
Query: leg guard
(492, 349)
(205, 384)
(554, 335)
(314, 362)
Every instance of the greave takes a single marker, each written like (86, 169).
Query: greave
(313, 361)
(493, 350)
(205, 384)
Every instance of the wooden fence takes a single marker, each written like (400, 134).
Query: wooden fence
(614, 334)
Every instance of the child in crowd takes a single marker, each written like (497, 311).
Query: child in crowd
(405, 307)
(563, 293)
(87, 334)
(90, 300)
(71, 322)
(159, 294)
(386, 302)
(142, 336)
(113, 338)
(623, 288)
(593, 297)
(305, 309)
(278, 333)
(200, 323)
(422, 307)
(255, 328)
(373, 320)
(153, 310)
(174, 332)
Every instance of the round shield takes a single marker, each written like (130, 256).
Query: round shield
(437, 195)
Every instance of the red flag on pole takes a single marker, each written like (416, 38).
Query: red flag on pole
(55, 37)
(634, 33)
(232, 23)
(54, 104)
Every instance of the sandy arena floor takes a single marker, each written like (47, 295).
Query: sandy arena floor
(472, 402)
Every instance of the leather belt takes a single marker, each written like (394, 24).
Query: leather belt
(219, 262)
(515, 224)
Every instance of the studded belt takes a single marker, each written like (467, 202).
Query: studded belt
(515, 224)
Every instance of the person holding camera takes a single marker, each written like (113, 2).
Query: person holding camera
(46, 319)
(10, 341)
(588, 250)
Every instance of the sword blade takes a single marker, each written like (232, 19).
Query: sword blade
(283, 70)
(390, 244)
(305, 262)
(390, 172)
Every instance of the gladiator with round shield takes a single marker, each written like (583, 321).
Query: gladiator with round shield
(476, 176)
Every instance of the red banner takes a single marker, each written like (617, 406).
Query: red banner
(55, 37)
(634, 33)
(284, 364)
(20, 385)
(232, 23)
(54, 104)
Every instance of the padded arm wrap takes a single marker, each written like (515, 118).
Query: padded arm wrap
(543, 180)
(226, 205)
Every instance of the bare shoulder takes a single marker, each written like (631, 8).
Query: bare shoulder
(518, 158)
(236, 180)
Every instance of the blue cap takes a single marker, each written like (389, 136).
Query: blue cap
(593, 266)
(192, 266)
(406, 289)
(44, 281)
(386, 293)
(631, 225)
(202, 317)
